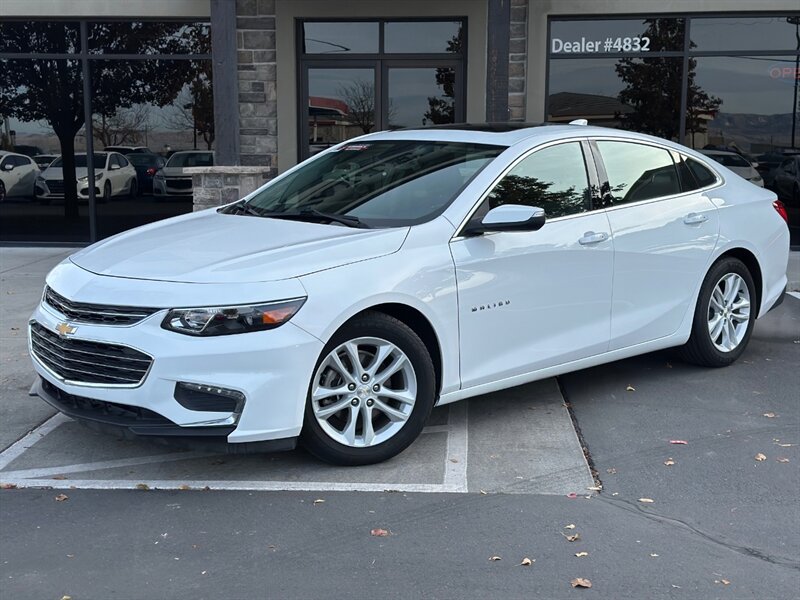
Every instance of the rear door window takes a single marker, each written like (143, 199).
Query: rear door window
(701, 173)
(638, 172)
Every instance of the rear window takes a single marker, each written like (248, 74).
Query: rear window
(701, 173)
(730, 160)
(638, 172)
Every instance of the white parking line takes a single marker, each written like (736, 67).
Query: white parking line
(795, 294)
(455, 467)
(16, 449)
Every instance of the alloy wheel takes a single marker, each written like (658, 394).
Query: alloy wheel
(363, 392)
(729, 312)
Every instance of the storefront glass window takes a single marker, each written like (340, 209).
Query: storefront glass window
(431, 37)
(631, 36)
(340, 38)
(746, 33)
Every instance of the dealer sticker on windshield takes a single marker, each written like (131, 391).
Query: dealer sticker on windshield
(355, 147)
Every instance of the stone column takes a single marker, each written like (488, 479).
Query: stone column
(517, 57)
(214, 186)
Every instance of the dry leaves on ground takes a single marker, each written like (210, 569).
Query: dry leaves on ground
(581, 554)
(630, 388)
(581, 583)
(611, 471)
(8, 486)
(679, 442)
(526, 562)
(572, 538)
(377, 532)
(722, 581)
(570, 526)
(646, 500)
(761, 457)
(782, 459)
(61, 498)
(595, 488)
(769, 415)
(142, 486)
(669, 462)
(494, 558)
(653, 555)
(786, 445)
(318, 501)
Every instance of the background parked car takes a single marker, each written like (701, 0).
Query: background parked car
(43, 160)
(736, 163)
(172, 180)
(146, 165)
(128, 149)
(17, 175)
(114, 176)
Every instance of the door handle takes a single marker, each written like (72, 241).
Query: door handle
(590, 237)
(695, 218)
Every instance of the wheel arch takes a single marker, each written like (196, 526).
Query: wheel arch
(420, 324)
(751, 262)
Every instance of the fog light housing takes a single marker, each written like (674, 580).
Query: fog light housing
(210, 398)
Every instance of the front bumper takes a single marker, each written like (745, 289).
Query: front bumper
(172, 186)
(271, 368)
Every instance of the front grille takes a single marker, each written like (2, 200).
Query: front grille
(56, 186)
(82, 361)
(96, 314)
(111, 412)
(179, 183)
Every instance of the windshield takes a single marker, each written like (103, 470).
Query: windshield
(80, 161)
(730, 160)
(383, 183)
(142, 160)
(191, 159)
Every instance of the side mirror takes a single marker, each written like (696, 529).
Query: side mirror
(509, 217)
(114, 168)
(8, 167)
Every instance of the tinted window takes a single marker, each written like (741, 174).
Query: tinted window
(80, 160)
(730, 160)
(20, 161)
(703, 176)
(553, 179)
(637, 172)
(744, 33)
(383, 183)
(625, 36)
(426, 37)
(340, 38)
(688, 181)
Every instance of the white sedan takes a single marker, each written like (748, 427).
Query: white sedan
(344, 299)
(17, 174)
(114, 176)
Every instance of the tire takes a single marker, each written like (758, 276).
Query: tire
(2, 192)
(106, 192)
(133, 189)
(730, 342)
(342, 436)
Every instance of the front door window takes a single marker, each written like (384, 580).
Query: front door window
(352, 84)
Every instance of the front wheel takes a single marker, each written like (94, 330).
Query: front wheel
(724, 315)
(2, 192)
(371, 393)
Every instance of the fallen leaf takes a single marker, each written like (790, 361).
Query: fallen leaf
(646, 500)
(483, 492)
(782, 459)
(185, 487)
(8, 486)
(581, 582)
(453, 460)
(379, 532)
(595, 488)
(318, 501)
(669, 462)
(572, 538)
(62, 497)
(494, 558)
(526, 562)
(760, 457)
(70, 556)
(611, 471)
(786, 445)
(581, 554)
(203, 572)
(722, 581)
(570, 526)
(572, 495)
(142, 486)
(66, 597)
(769, 415)
(615, 493)
(630, 388)
(59, 477)
(653, 555)
(680, 442)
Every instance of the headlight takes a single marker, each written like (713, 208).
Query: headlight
(39, 179)
(158, 175)
(97, 177)
(224, 320)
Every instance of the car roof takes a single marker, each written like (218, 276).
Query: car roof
(719, 153)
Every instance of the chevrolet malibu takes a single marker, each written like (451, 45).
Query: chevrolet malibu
(340, 302)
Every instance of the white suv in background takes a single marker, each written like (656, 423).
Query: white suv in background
(17, 175)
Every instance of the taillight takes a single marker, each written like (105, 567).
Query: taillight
(781, 208)
(151, 171)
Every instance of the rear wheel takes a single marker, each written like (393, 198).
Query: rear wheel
(724, 315)
(106, 192)
(372, 391)
(2, 192)
(133, 190)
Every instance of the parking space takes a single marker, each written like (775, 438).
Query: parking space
(516, 441)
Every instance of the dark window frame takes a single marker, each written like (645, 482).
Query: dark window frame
(380, 62)
(686, 54)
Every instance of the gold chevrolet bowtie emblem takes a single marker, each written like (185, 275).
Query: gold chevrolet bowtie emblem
(65, 329)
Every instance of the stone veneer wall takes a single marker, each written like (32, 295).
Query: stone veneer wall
(213, 186)
(517, 58)
(258, 94)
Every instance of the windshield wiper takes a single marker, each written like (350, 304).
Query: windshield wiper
(315, 215)
(246, 208)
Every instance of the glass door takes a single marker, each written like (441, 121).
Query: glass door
(420, 96)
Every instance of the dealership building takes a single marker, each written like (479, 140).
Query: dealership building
(267, 83)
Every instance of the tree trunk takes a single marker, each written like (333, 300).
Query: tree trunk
(68, 172)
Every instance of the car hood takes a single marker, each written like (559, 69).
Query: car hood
(56, 173)
(172, 172)
(209, 247)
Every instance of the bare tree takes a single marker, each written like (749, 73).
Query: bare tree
(194, 110)
(125, 126)
(360, 99)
